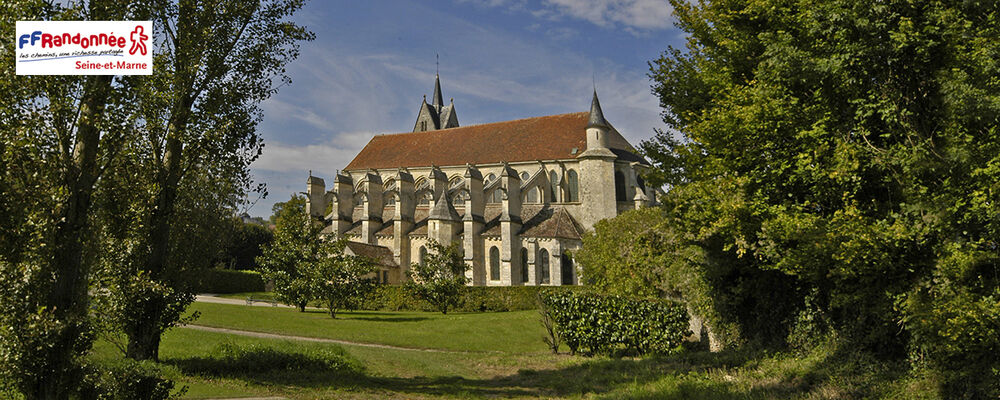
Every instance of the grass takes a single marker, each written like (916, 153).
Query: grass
(510, 332)
(507, 360)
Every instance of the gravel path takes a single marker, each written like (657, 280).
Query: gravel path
(308, 339)
(211, 298)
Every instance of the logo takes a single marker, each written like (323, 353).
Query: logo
(84, 48)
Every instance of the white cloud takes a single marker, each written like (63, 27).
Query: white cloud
(638, 14)
(635, 16)
(323, 159)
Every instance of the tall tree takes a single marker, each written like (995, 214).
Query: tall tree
(215, 62)
(852, 147)
(59, 135)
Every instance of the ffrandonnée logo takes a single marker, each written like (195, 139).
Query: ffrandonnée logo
(84, 47)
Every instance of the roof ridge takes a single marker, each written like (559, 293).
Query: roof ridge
(482, 124)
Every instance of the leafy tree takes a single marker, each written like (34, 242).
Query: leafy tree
(338, 278)
(441, 278)
(215, 61)
(58, 135)
(852, 148)
(289, 260)
(244, 244)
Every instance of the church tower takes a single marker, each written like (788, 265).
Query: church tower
(597, 169)
(436, 115)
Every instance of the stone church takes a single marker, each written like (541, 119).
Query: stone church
(517, 195)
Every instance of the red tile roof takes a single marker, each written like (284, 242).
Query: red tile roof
(541, 138)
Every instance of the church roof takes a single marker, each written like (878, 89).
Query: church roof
(379, 254)
(552, 137)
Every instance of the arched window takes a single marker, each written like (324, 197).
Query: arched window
(390, 199)
(495, 197)
(425, 199)
(524, 265)
(543, 265)
(554, 186)
(494, 263)
(459, 198)
(566, 266)
(532, 195)
(641, 183)
(423, 255)
(572, 187)
(620, 186)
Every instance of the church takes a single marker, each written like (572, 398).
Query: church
(516, 195)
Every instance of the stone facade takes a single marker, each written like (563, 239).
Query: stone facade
(516, 195)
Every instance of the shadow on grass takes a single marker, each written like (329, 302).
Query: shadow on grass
(691, 375)
(390, 319)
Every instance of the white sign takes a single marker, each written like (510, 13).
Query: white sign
(84, 47)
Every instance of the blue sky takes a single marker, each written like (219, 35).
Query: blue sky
(373, 61)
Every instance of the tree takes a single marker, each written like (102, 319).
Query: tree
(289, 260)
(848, 146)
(441, 278)
(215, 62)
(58, 134)
(244, 244)
(338, 278)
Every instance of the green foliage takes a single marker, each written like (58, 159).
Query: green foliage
(845, 150)
(471, 299)
(441, 279)
(340, 279)
(234, 359)
(609, 324)
(129, 380)
(220, 281)
(244, 244)
(288, 259)
(619, 256)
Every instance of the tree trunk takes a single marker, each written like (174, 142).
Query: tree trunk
(67, 298)
(302, 307)
(145, 338)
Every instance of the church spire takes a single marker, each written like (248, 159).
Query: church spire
(596, 115)
(438, 99)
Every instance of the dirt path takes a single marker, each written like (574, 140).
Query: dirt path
(211, 298)
(309, 339)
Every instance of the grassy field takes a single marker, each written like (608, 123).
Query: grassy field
(510, 332)
(503, 356)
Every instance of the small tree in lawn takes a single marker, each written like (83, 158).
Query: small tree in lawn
(339, 278)
(441, 278)
(294, 253)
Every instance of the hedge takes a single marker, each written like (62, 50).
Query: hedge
(222, 281)
(474, 298)
(612, 324)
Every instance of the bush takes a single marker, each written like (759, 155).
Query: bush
(471, 298)
(231, 359)
(222, 281)
(611, 324)
(127, 380)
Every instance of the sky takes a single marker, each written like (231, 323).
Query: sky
(373, 61)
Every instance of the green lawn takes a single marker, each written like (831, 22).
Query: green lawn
(506, 359)
(511, 332)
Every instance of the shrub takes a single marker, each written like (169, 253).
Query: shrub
(610, 324)
(228, 281)
(472, 298)
(231, 359)
(127, 380)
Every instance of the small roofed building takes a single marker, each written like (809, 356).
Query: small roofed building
(516, 195)
(381, 256)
